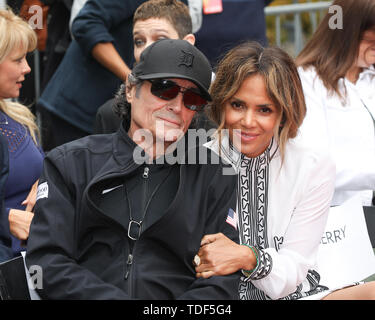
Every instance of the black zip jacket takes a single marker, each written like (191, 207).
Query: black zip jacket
(85, 253)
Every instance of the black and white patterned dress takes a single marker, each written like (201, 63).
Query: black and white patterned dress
(271, 195)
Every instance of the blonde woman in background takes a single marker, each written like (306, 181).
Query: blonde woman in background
(18, 127)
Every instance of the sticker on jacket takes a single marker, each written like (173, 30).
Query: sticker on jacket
(232, 218)
(42, 191)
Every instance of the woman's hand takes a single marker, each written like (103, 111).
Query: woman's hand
(221, 256)
(19, 223)
(30, 200)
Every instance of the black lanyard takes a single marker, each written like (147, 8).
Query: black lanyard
(134, 226)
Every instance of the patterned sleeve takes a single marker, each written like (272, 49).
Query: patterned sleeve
(263, 267)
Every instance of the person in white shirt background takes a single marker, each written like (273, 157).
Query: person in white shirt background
(285, 188)
(338, 76)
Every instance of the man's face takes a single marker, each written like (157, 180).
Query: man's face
(166, 120)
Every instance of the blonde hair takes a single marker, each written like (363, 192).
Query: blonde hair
(16, 33)
(281, 79)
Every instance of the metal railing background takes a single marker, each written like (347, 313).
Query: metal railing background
(314, 9)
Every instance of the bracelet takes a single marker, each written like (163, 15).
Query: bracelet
(248, 273)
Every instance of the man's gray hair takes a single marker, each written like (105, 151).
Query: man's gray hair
(121, 106)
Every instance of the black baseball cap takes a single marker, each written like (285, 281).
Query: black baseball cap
(171, 58)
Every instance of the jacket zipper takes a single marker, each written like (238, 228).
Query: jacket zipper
(129, 263)
(145, 176)
(130, 258)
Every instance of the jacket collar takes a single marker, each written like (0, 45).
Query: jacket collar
(111, 174)
(123, 147)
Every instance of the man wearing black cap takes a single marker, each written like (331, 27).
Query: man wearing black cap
(108, 226)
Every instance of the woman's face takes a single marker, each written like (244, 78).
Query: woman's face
(148, 31)
(251, 117)
(366, 56)
(12, 73)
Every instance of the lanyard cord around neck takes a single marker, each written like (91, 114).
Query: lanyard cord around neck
(136, 223)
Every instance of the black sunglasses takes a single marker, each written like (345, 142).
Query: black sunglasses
(167, 90)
